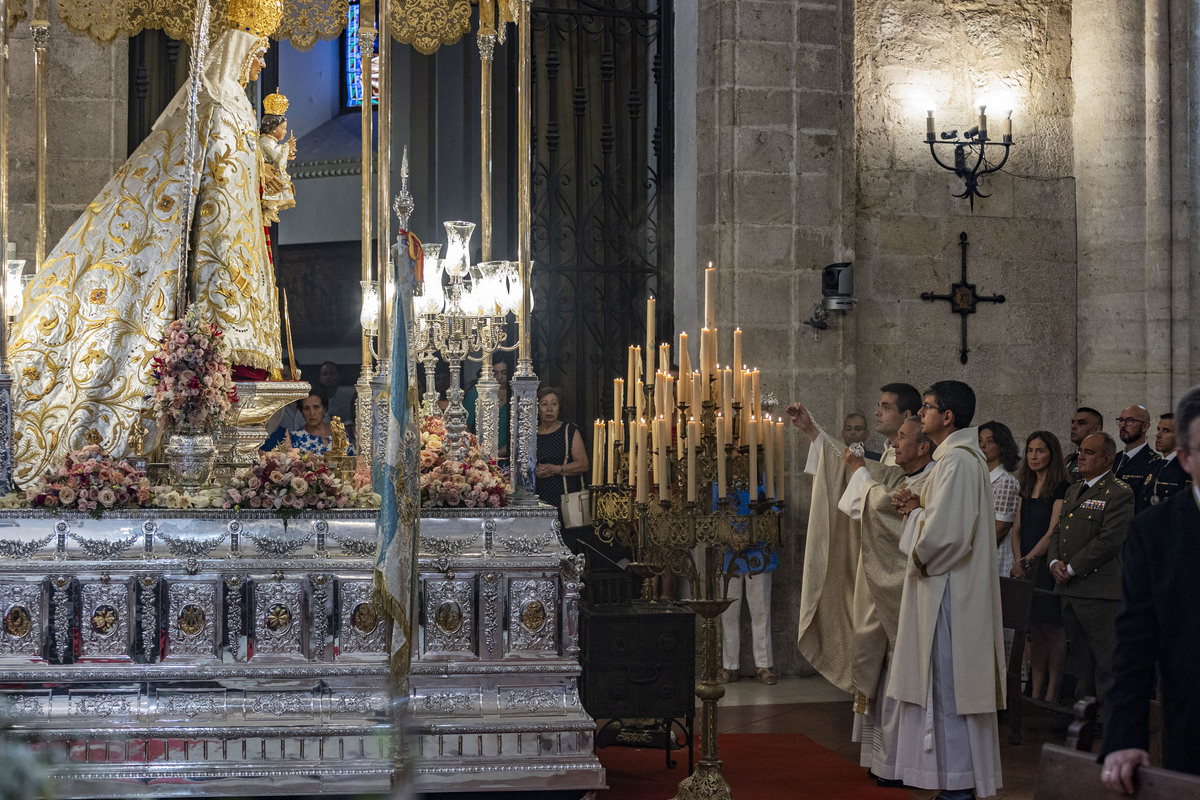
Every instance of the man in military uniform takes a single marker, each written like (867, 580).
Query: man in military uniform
(1085, 560)
(1166, 475)
(1085, 422)
(1133, 465)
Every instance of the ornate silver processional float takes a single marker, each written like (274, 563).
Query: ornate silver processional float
(222, 652)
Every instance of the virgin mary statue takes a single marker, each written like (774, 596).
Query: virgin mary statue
(92, 318)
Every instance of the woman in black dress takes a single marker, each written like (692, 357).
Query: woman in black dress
(1044, 481)
(562, 458)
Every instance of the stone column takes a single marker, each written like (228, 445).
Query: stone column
(775, 204)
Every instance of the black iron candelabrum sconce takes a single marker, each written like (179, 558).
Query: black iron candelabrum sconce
(971, 152)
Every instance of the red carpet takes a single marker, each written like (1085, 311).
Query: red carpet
(757, 766)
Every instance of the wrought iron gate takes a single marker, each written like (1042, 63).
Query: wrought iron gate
(603, 160)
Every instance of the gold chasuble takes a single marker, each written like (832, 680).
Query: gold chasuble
(92, 318)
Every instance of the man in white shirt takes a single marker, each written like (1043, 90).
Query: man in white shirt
(1167, 476)
(1134, 464)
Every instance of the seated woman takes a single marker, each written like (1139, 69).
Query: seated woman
(315, 437)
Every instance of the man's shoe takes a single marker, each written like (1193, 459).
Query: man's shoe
(729, 676)
(766, 676)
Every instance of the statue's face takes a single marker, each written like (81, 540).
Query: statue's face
(256, 66)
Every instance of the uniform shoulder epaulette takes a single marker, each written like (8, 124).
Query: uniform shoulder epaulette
(1120, 482)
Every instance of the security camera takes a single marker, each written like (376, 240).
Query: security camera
(837, 287)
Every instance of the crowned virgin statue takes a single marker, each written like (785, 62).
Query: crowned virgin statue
(93, 316)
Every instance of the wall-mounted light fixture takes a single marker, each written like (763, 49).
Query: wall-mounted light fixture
(971, 152)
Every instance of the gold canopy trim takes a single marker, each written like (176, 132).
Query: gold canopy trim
(429, 24)
(425, 24)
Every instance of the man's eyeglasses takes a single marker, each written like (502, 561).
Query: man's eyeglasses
(1123, 420)
(931, 407)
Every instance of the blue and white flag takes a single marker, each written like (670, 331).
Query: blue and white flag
(397, 471)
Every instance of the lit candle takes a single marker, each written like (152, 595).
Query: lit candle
(660, 393)
(768, 429)
(752, 445)
(929, 134)
(721, 439)
(613, 428)
(710, 296)
(737, 364)
(664, 472)
(685, 369)
(779, 481)
(630, 377)
(1008, 127)
(650, 338)
(982, 124)
(756, 395)
(643, 481)
(639, 398)
(703, 366)
(669, 402)
(697, 393)
(618, 396)
(664, 357)
(693, 436)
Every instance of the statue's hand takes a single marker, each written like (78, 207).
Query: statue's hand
(272, 180)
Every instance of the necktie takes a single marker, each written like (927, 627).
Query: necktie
(1119, 463)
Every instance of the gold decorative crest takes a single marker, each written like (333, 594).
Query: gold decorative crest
(448, 616)
(104, 619)
(279, 618)
(191, 619)
(365, 619)
(533, 615)
(17, 622)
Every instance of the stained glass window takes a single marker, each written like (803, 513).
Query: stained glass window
(351, 59)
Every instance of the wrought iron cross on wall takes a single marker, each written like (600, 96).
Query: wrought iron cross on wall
(963, 298)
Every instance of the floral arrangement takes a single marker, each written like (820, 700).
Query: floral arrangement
(90, 480)
(445, 482)
(193, 387)
(294, 480)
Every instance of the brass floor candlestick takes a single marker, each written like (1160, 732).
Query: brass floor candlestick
(707, 782)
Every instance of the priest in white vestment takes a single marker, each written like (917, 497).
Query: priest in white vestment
(832, 615)
(877, 593)
(948, 669)
(831, 549)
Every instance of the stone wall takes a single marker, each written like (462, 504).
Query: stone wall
(932, 54)
(86, 119)
(774, 111)
(1135, 161)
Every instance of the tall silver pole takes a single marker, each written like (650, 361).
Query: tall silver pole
(6, 429)
(522, 439)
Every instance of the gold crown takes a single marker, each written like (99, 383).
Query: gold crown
(275, 103)
(259, 17)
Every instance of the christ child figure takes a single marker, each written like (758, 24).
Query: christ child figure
(278, 192)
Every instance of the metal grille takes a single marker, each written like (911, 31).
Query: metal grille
(603, 156)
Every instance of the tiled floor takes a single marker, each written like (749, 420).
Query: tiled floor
(822, 712)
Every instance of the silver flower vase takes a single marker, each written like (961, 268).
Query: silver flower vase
(190, 458)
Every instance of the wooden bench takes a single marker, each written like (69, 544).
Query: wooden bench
(1072, 772)
(1065, 774)
(1016, 602)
